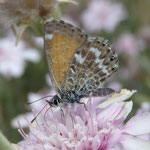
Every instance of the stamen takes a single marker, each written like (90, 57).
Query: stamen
(21, 131)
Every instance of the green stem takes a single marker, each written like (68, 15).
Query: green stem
(4, 143)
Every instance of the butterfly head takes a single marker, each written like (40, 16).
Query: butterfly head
(54, 102)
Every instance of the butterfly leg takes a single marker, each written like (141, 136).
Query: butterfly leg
(62, 112)
(103, 92)
(83, 105)
(72, 118)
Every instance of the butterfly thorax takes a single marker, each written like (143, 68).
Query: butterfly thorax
(74, 96)
(65, 98)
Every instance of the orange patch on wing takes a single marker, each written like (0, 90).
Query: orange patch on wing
(62, 49)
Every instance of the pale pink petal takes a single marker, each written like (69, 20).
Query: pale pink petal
(145, 137)
(138, 125)
(117, 97)
(118, 111)
(14, 65)
(114, 137)
(47, 147)
(63, 147)
(125, 109)
(96, 142)
(133, 143)
(39, 42)
(32, 55)
(22, 120)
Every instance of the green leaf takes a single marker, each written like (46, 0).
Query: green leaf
(5, 144)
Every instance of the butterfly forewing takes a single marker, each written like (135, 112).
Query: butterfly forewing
(93, 63)
(61, 42)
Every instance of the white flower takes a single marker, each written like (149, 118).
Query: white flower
(13, 58)
(103, 15)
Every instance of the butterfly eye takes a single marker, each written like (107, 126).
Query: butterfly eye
(112, 58)
(55, 102)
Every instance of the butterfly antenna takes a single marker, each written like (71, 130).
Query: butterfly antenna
(38, 113)
(39, 99)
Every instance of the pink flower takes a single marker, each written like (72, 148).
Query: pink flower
(129, 44)
(38, 105)
(103, 15)
(145, 108)
(100, 127)
(13, 58)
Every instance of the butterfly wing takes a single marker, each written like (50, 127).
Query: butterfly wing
(92, 64)
(61, 42)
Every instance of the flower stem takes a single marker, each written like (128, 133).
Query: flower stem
(4, 143)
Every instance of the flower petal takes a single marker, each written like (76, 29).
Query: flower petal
(32, 55)
(117, 97)
(96, 142)
(114, 137)
(132, 143)
(22, 119)
(119, 112)
(139, 124)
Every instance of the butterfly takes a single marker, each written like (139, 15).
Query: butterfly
(78, 63)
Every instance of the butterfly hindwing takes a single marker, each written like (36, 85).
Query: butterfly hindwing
(93, 63)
